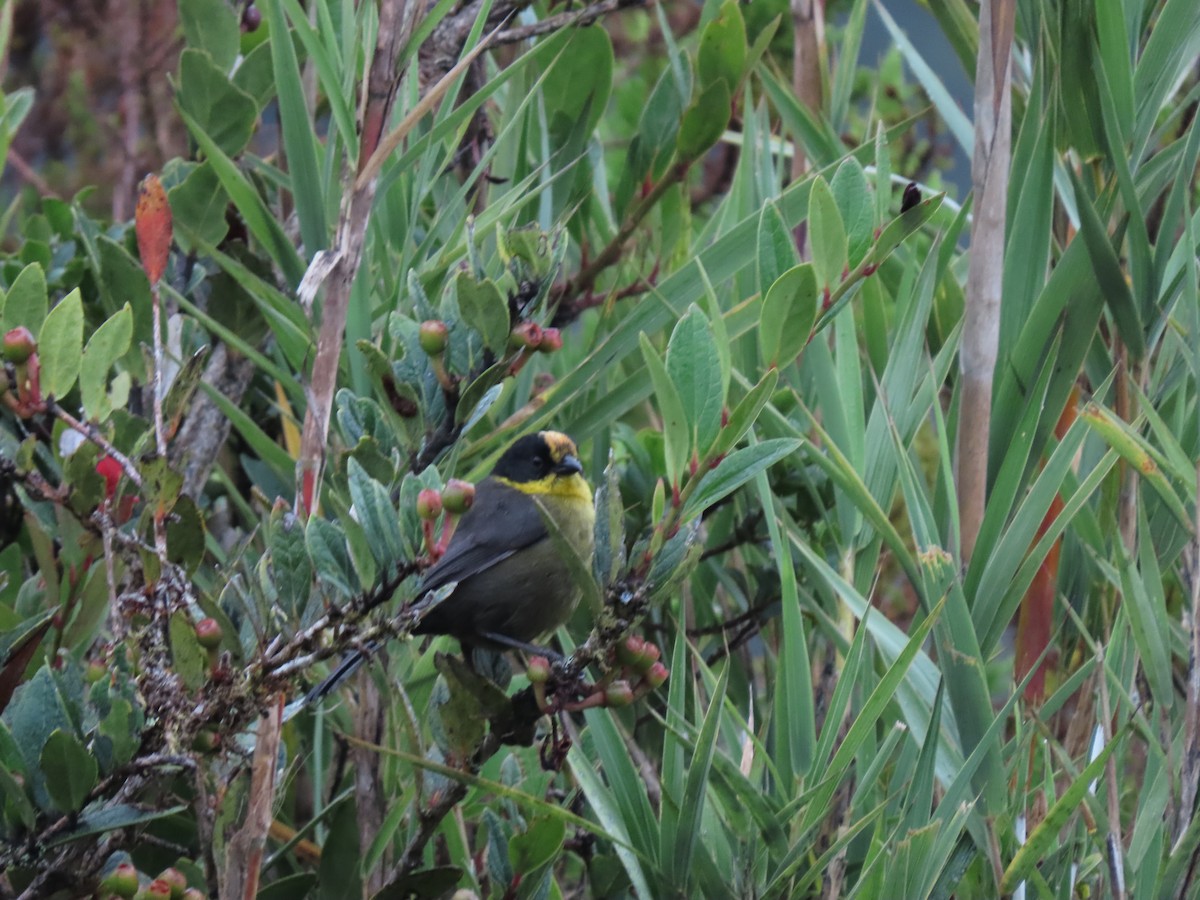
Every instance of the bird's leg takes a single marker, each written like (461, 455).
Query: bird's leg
(513, 644)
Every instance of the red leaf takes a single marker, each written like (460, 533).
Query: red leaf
(153, 224)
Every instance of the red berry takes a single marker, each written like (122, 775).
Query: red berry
(209, 634)
(527, 335)
(619, 693)
(657, 675)
(429, 504)
(176, 880)
(551, 340)
(19, 344)
(122, 881)
(630, 650)
(537, 670)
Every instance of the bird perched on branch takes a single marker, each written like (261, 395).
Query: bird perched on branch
(511, 581)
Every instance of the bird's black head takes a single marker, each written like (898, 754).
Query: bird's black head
(538, 456)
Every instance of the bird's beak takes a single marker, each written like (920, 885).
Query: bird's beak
(569, 465)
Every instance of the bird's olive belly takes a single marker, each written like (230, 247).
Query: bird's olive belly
(523, 597)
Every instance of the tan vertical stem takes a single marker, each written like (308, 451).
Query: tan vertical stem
(981, 332)
(808, 29)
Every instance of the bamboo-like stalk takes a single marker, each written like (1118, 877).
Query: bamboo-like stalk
(981, 331)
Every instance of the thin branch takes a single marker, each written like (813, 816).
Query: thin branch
(585, 16)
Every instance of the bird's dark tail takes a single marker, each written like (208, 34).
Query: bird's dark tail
(347, 667)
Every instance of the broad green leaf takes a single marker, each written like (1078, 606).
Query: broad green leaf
(695, 370)
(485, 310)
(704, 122)
(198, 206)
(788, 314)
(852, 193)
(15, 798)
(582, 76)
(827, 235)
(259, 219)
(107, 344)
(120, 727)
(27, 300)
(537, 845)
(212, 26)
(69, 769)
(776, 247)
(735, 470)
(226, 113)
(722, 53)
(122, 280)
(670, 406)
(113, 818)
(331, 561)
(60, 345)
(290, 562)
(373, 509)
(189, 659)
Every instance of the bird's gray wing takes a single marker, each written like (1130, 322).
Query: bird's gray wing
(501, 522)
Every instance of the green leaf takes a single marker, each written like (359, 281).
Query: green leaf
(537, 845)
(27, 300)
(120, 728)
(15, 798)
(1108, 272)
(722, 53)
(735, 470)
(122, 280)
(485, 310)
(670, 406)
(331, 559)
(746, 412)
(581, 80)
(107, 344)
(827, 235)
(211, 25)
(226, 113)
(198, 205)
(111, 818)
(60, 345)
(852, 193)
(299, 134)
(255, 76)
(290, 564)
(1043, 838)
(704, 122)
(69, 769)
(776, 247)
(897, 230)
(695, 370)
(788, 314)
(373, 507)
(189, 659)
(186, 534)
(259, 219)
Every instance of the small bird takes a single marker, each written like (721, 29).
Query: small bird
(512, 585)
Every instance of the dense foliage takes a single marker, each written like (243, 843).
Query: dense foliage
(403, 235)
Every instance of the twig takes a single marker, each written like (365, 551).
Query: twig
(585, 16)
(244, 854)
